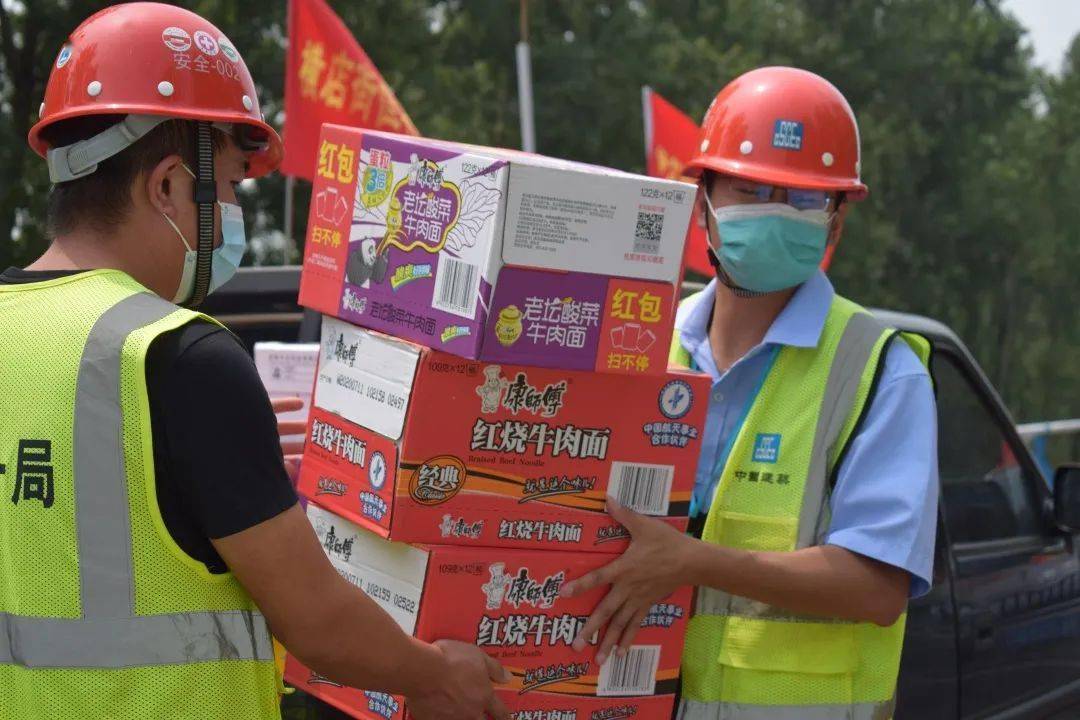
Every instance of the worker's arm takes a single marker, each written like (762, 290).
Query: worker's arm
(824, 581)
(339, 632)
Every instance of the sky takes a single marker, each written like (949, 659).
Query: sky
(1052, 25)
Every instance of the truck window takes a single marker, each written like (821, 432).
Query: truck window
(985, 491)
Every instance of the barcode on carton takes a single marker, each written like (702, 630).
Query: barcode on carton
(632, 674)
(457, 284)
(647, 232)
(642, 488)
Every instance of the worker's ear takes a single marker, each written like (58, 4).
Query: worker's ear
(165, 183)
(701, 210)
(836, 223)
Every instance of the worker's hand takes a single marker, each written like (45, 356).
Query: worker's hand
(465, 689)
(292, 449)
(649, 571)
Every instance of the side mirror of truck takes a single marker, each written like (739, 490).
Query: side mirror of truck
(1067, 497)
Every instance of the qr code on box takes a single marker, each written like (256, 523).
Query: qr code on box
(647, 232)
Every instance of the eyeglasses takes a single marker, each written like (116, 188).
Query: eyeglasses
(798, 198)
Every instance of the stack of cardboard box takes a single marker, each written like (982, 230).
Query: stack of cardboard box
(493, 367)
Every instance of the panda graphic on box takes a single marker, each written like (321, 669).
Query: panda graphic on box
(366, 262)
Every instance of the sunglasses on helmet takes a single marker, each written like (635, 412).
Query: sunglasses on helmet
(247, 137)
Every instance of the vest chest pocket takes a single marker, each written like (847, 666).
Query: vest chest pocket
(787, 662)
(752, 532)
(826, 648)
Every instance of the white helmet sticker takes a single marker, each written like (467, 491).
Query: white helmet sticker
(206, 42)
(176, 39)
(227, 49)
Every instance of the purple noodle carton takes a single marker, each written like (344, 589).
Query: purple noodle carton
(495, 255)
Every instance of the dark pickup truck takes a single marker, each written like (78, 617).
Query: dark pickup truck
(999, 634)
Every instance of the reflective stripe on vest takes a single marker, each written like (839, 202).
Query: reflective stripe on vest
(134, 641)
(852, 355)
(692, 710)
(722, 604)
(109, 634)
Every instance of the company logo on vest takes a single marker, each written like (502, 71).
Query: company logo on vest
(767, 448)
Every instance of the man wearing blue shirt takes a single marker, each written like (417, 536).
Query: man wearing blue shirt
(815, 502)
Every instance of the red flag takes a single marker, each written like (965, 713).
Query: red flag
(670, 136)
(329, 78)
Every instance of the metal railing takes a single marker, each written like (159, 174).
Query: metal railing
(1048, 427)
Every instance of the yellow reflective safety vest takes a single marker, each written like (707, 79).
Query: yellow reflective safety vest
(745, 660)
(102, 615)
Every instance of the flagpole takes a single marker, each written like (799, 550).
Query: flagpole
(290, 180)
(646, 109)
(290, 186)
(524, 78)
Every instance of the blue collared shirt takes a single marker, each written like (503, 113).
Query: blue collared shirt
(884, 505)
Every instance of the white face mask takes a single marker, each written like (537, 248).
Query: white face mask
(224, 260)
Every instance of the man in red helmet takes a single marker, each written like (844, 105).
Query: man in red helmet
(814, 508)
(149, 534)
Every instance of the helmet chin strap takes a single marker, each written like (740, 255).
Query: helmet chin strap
(205, 199)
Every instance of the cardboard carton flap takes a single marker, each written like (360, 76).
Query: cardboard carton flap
(392, 574)
(365, 377)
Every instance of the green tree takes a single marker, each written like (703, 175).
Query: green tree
(31, 34)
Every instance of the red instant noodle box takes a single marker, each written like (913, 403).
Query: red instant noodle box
(506, 602)
(536, 706)
(422, 446)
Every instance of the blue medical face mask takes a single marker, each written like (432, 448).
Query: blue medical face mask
(766, 247)
(225, 259)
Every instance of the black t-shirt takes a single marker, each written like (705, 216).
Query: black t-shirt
(217, 456)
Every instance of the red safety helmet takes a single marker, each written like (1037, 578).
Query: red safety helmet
(782, 126)
(151, 62)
